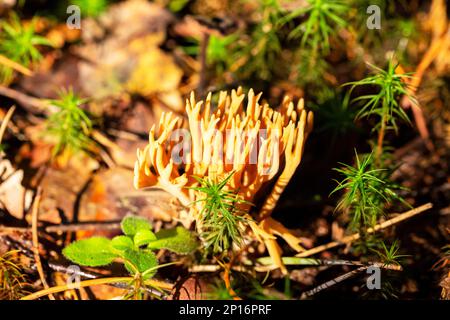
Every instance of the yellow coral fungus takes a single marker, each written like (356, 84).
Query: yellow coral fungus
(258, 145)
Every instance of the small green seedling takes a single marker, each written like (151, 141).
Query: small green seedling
(390, 255)
(391, 283)
(254, 52)
(70, 124)
(134, 249)
(221, 221)
(320, 21)
(385, 103)
(18, 42)
(367, 190)
(263, 50)
(323, 18)
(335, 116)
(218, 51)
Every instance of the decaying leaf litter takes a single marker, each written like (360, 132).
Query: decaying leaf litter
(74, 119)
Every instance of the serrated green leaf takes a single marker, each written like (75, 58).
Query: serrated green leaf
(92, 252)
(178, 240)
(132, 224)
(142, 261)
(143, 237)
(122, 243)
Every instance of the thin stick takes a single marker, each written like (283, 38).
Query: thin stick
(203, 66)
(9, 230)
(433, 50)
(14, 65)
(35, 104)
(110, 225)
(93, 282)
(356, 236)
(331, 283)
(267, 264)
(5, 122)
(226, 280)
(83, 227)
(292, 261)
(204, 268)
(88, 275)
(213, 268)
(380, 140)
(34, 231)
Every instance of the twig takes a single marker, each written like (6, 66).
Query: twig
(356, 236)
(9, 230)
(18, 244)
(113, 159)
(66, 269)
(380, 140)
(203, 52)
(14, 65)
(126, 135)
(84, 226)
(268, 263)
(213, 268)
(226, 280)
(37, 258)
(5, 122)
(88, 275)
(331, 283)
(38, 105)
(204, 268)
(93, 282)
(414, 83)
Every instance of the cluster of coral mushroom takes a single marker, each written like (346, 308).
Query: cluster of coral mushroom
(260, 146)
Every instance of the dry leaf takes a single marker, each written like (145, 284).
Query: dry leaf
(13, 196)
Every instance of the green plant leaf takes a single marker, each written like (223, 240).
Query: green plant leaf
(178, 240)
(122, 243)
(142, 261)
(132, 224)
(143, 237)
(92, 252)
